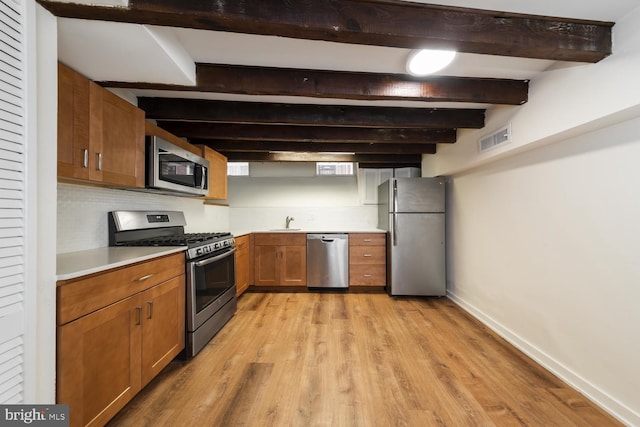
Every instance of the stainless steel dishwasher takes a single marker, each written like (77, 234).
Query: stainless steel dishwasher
(328, 260)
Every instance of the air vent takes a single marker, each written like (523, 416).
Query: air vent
(496, 139)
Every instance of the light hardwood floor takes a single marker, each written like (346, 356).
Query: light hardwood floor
(330, 359)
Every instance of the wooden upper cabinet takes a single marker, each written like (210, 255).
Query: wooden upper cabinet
(217, 173)
(152, 130)
(100, 135)
(73, 124)
(117, 138)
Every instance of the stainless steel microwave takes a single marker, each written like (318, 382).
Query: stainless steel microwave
(174, 170)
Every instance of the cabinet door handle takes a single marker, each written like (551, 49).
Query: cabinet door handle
(367, 255)
(143, 278)
(367, 240)
(150, 305)
(85, 158)
(367, 275)
(99, 161)
(138, 315)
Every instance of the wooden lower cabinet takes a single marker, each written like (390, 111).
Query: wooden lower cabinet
(105, 355)
(280, 259)
(367, 259)
(99, 368)
(267, 268)
(163, 326)
(243, 263)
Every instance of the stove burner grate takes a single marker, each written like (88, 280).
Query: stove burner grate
(187, 239)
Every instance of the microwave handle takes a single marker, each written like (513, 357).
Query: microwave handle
(201, 176)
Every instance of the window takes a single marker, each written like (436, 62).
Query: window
(238, 168)
(334, 168)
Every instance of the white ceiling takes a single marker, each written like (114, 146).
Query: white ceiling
(129, 52)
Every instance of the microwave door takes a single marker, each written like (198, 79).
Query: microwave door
(176, 170)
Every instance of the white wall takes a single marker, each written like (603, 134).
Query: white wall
(275, 191)
(544, 248)
(40, 371)
(543, 232)
(564, 102)
(83, 210)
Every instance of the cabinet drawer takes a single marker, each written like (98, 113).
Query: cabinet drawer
(367, 239)
(367, 275)
(280, 239)
(79, 297)
(367, 255)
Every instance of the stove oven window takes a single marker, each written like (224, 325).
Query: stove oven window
(212, 280)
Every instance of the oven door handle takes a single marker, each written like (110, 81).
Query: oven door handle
(215, 258)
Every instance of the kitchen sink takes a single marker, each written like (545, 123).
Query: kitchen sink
(285, 229)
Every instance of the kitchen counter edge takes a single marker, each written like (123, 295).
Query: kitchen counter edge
(309, 231)
(72, 265)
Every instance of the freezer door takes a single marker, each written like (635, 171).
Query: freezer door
(417, 195)
(416, 255)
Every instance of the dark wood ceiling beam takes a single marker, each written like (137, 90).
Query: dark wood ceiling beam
(234, 156)
(248, 132)
(314, 147)
(370, 22)
(247, 80)
(304, 114)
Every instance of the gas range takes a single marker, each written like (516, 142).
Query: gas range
(163, 228)
(210, 278)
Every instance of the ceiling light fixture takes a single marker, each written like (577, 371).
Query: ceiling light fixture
(427, 61)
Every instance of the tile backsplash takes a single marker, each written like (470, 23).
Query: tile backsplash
(318, 218)
(82, 214)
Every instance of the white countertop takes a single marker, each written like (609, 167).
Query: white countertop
(71, 265)
(321, 231)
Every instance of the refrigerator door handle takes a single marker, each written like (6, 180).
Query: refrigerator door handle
(395, 196)
(395, 229)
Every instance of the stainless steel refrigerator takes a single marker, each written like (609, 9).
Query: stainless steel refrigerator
(412, 212)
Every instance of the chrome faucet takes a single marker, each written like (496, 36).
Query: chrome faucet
(288, 221)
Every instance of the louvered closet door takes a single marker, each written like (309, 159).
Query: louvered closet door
(12, 179)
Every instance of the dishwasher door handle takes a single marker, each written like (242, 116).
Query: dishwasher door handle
(327, 240)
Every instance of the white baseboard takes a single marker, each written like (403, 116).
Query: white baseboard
(617, 409)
